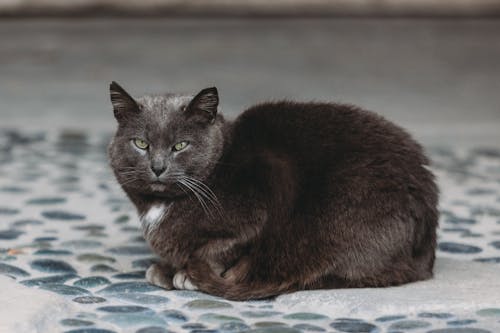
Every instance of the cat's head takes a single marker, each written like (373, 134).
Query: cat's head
(163, 139)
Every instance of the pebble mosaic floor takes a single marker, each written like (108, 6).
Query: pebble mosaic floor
(66, 227)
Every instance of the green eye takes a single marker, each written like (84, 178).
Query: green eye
(141, 144)
(180, 146)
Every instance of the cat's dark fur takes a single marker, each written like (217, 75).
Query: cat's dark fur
(297, 195)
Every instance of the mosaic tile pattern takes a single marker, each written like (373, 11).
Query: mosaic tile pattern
(67, 228)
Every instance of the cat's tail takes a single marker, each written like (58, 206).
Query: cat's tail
(234, 287)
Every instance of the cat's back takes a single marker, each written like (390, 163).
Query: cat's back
(317, 132)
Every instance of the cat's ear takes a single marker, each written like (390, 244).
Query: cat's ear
(204, 105)
(123, 104)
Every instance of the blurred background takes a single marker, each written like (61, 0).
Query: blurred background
(431, 66)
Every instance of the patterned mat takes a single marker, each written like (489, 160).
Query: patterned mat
(66, 227)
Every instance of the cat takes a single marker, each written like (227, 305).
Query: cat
(289, 196)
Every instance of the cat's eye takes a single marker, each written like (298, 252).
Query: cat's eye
(141, 144)
(180, 146)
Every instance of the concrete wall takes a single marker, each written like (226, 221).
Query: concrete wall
(437, 78)
(253, 7)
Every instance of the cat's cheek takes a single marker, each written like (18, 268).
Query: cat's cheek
(184, 157)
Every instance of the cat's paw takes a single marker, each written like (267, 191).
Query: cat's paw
(156, 276)
(182, 281)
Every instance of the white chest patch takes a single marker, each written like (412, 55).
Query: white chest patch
(153, 217)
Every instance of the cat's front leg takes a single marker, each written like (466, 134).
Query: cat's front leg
(157, 275)
(182, 281)
(160, 275)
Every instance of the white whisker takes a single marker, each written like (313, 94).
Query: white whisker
(207, 193)
(197, 195)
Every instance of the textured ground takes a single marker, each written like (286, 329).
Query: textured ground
(66, 228)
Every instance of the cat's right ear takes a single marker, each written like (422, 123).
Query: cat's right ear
(203, 106)
(124, 105)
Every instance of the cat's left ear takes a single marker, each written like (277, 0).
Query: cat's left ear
(124, 105)
(204, 104)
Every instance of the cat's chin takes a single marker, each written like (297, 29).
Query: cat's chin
(158, 187)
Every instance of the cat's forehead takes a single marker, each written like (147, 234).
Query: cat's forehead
(160, 117)
(163, 104)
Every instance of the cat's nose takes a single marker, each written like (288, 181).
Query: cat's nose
(157, 170)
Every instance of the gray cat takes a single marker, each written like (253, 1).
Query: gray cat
(289, 196)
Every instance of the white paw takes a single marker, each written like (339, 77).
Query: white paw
(181, 281)
(154, 275)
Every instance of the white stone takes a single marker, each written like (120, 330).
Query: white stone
(26, 309)
(458, 287)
